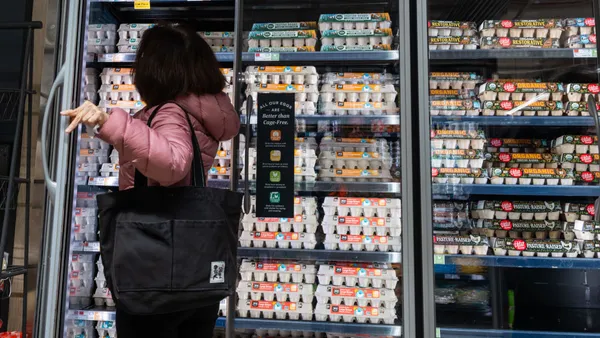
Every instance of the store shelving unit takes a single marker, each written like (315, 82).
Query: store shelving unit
(526, 53)
(533, 121)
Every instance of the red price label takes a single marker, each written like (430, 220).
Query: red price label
(590, 22)
(591, 209)
(434, 172)
(594, 87)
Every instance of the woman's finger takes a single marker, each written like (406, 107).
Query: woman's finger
(77, 119)
(86, 118)
(71, 112)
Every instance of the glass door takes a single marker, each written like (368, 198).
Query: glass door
(509, 240)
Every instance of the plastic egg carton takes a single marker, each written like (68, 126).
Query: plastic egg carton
(81, 278)
(93, 156)
(358, 78)
(365, 275)
(580, 162)
(358, 93)
(277, 271)
(357, 37)
(575, 144)
(298, 75)
(459, 175)
(522, 108)
(362, 206)
(354, 21)
(450, 216)
(521, 160)
(363, 242)
(586, 230)
(101, 45)
(455, 244)
(579, 92)
(458, 139)
(129, 45)
(579, 212)
(577, 26)
(85, 232)
(537, 28)
(292, 38)
(218, 39)
(504, 42)
(356, 225)
(275, 310)
(109, 169)
(354, 314)
(516, 210)
(301, 108)
(274, 291)
(535, 247)
(351, 296)
(453, 43)
(581, 41)
(528, 176)
(506, 228)
(511, 145)
(503, 91)
(354, 160)
(453, 80)
(116, 76)
(302, 93)
(358, 108)
(128, 31)
(119, 93)
(106, 329)
(299, 223)
(439, 28)
(281, 240)
(102, 296)
(457, 158)
(454, 107)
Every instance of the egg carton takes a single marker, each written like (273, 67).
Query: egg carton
(130, 107)
(86, 200)
(298, 75)
(90, 93)
(578, 108)
(516, 210)
(538, 28)
(362, 206)
(273, 291)
(277, 271)
(350, 296)
(358, 78)
(90, 78)
(284, 26)
(264, 333)
(581, 41)
(525, 42)
(365, 275)
(575, 144)
(453, 80)
(441, 28)
(457, 139)
(362, 242)
(503, 91)
(457, 158)
(281, 49)
(218, 38)
(299, 223)
(219, 172)
(109, 169)
(119, 93)
(127, 48)
(579, 211)
(87, 169)
(275, 310)
(450, 215)
(222, 49)
(459, 175)
(102, 31)
(587, 230)
(354, 145)
(221, 163)
(453, 94)
(106, 329)
(355, 48)
(73, 332)
(135, 27)
(357, 37)
(580, 162)
(358, 108)
(356, 225)
(590, 249)
(129, 41)
(291, 38)
(455, 244)
(354, 175)
(358, 93)
(453, 43)
(116, 76)
(522, 108)
(528, 176)
(579, 92)
(454, 107)
(535, 247)
(354, 21)
(521, 160)
(301, 108)
(103, 296)
(508, 145)
(354, 160)
(93, 156)
(102, 45)
(87, 232)
(281, 240)
(503, 228)
(577, 26)
(81, 278)
(302, 205)
(354, 314)
(302, 92)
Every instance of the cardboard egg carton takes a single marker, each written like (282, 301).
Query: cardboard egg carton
(358, 78)
(455, 244)
(299, 223)
(353, 145)
(581, 41)
(452, 94)
(116, 76)
(503, 91)
(528, 176)
(358, 108)
(453, 43)
(575, 144)
(362, 206)
(521, 160)
(511, 145)
(590, 249)
(350, 296)
(363, 242)
(580, 162)
(454, 107)
(280, 49)
(457, 158)
(354, 175)
(537, 28)
(459, 175)
(93, 156)
(439, 28)
(218, 39)
(274, 291)
(281, 240)
(453, 80)
(577, 26)
(356, 48)
(579, 92)
(354, 160)
(284, 26)
(535, 247)
(298, 75)
(516, 210)
(275, 310)
(586, 230)
(578, 108)
(365, 275)
(503, 228)
(358, 93)
(354, 314)
(354, 21)
(291, 38)
(357, 37)
(458, 139)
(509, 43)
(356, 225)
(277, 271)
(102, 297)
(101, 45)
(302, 93)
(119, 92)
(102, 31)
(522, 108)
(579, 212)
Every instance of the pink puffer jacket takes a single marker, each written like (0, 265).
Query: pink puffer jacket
(164, 152)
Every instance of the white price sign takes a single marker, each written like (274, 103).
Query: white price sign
(266, 57)
(585, 53)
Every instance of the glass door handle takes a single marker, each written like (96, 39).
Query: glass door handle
(249, 106)
(50, 183)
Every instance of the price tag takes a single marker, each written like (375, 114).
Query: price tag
(585, 53)
(439, 259)
(438, 332)
(141, 4)
(266, 56)
(96, 316)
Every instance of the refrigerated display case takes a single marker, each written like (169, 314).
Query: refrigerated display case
(335, 267)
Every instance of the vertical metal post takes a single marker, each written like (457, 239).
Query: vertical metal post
(498, 296)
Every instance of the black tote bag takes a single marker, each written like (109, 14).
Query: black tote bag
(169, 249)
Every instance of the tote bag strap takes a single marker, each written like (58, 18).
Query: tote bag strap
(198, 176)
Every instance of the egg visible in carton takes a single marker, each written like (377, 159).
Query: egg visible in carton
(296, 75)
(528, 176)
(101, 38)
(580, 162)
(526, 229)
(277, 271)
(350, 296)
(354, 21)
(357, 37)
(302, 93)
(351, 314)
(581, 32)
(579, 212)
(355, 160)
(457, 158)
(439, 28)
(362, 243)
(358, 93)
(359, 108)
(363, 225)
(579, 92)
(347, 169)
(365, 275)
(516, 210)
(292, 38)
(275, 291)
(464, 244)
(503, 90)
(275, 310)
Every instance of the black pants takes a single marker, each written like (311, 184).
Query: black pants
(198, 323)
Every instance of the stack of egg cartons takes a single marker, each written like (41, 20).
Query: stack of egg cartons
(457, 35)
(118, 91)
(450, 217)
(276, 290)
(358, 94)
(271, 333)
(538, 33)
(81, 275)
(101, 38)
(362, 224)
(577, 95)
(93, 152)
(579, 159)
(356, 32)
(130, 35)
(228, 89)
(102, 295)
(587, 236)
(354, 160)
(453, 94)
(356, 292)
(221, 168)
(283, 233)
(219, 41)
(80, 328)
(457, 154)
(106, 329)
(86, 227)
(581, 32)
(283, 37)
(527, 98)
(91, 85)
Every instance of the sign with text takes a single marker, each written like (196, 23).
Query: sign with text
(275, 155)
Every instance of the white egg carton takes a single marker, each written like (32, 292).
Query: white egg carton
(284, 26)
(130, 107)
(86, 216)
(354, 160)
(358, 78)
(587, 230)
(580, 162)
(511, 145)
(129, 41)
(356, 225)
(358, 93)
(535, 247)
(453, 80)
(106, 329)
(282, 75)
(362, 206)
(354, 175)
(103, 296)
(87, 232)
(87, 169)
(119, 93)
(116, 76)
(590, 249)
(365, 275)
(275, 310)
(127, 48)
(363, 242)
(455, 244)
(457, 143)
(521, 160)
(109, 169)
(101, 31)
(528, 176)
(299, 223)
(354, 21)
(454, 107)
(339, 295)
(219, 172)
(87, 142)
(539, 91)
(288, 333)
(453, 43)
(218, 39)
(579, 92)
(136, 27)
(81, 278)
(451, 28)
(353, 145)
(579, 212)
(581, 41)
(505, 42)
(457, 158)
(575, 144)
(277, 271)
(516, 210)
(522, 108)
(93, 156)
(355, 48)
(357, 37)
(90, 78)
(538, 28)
(102, 45)
(280, 49)
(459, 175)
(302, 92)
(292, 38)
(354, 314)
(274, 291)
(281, 240)
(579, 108)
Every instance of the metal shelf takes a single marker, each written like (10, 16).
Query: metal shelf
(484, 333)
(525, 53)
(513, 262)
(319, 186)
(92, 313)
(341, 120)
(320, 255)
(313, 326)
(550, 121)
(516, 190)
(130, 57)
(12, 271)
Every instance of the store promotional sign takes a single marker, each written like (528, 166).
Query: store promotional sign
(275, 156)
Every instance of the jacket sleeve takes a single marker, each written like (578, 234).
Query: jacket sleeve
(163, 153)
(221, 122)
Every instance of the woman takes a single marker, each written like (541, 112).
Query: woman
(172, 64)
